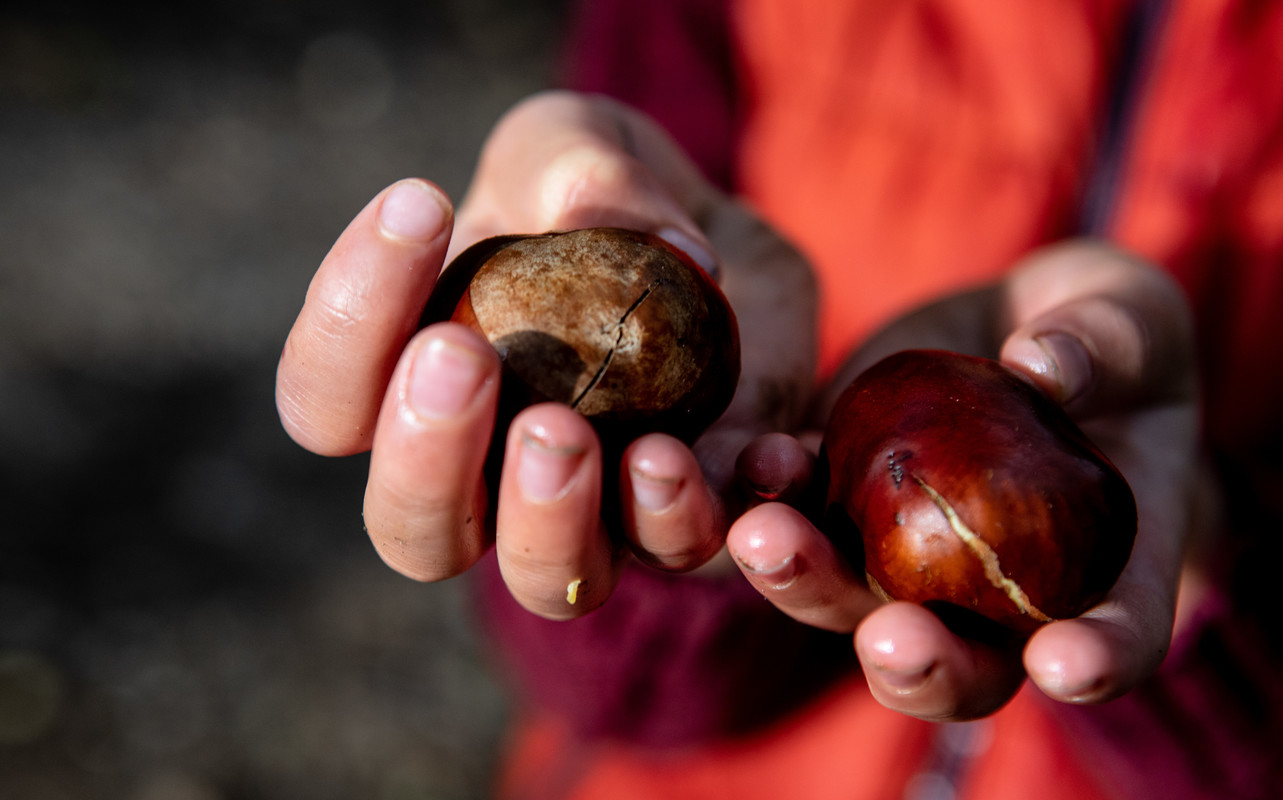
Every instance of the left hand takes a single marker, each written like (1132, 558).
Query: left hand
(1108, 337)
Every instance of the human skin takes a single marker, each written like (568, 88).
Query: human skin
(1101, 332)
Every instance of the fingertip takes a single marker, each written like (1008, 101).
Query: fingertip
(305, 424)
(428, 562)
(765, 542)
(775, 466)
(566, 596)
(1085, 661)
(669, 513)
(797, 568)
(915, 664)
(898, 644)
(554, 554)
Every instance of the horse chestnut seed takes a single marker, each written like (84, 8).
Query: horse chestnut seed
(617, 324)
(971, 488)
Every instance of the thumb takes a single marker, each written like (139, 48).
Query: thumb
(1099, 330)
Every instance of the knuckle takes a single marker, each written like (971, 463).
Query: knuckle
(304, 413)
(548, 592)
(540, 573)
(425, 540)
(336, 309)
(416, 565)
(298, 417)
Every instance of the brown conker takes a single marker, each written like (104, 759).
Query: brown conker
(970, 488)
(617, 324)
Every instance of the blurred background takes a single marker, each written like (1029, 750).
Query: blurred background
(189, 609)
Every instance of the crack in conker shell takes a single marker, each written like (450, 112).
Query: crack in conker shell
(1005, 459)
(619, 330)
(989, 559)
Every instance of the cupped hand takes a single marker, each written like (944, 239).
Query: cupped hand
(1107, 336)
(357, 375)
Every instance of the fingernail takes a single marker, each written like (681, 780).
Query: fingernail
(766, 492)
(904, 681)
(412, 210)
(1054, 679)
(775, 573)
(544, 470)
(1065, 360)
(654, 493)
(444, 378)
(903, 678)
(697, 252)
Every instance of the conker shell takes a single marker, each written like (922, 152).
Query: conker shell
(618, 324)
(971, 488)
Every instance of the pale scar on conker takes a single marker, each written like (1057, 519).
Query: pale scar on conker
(969, 487)
(617, 324)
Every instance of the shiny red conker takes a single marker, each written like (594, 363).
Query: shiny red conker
(971, 489)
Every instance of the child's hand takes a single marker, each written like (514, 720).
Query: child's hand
(1108, 337)
(356, 375)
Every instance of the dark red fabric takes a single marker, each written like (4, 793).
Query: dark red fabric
(667, 661)
(671, 58)
(1205, 728)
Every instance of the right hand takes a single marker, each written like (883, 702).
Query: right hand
(356, 375)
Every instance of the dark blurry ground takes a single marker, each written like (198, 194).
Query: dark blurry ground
(188, 607)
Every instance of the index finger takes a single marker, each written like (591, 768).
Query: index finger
(361, 308)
